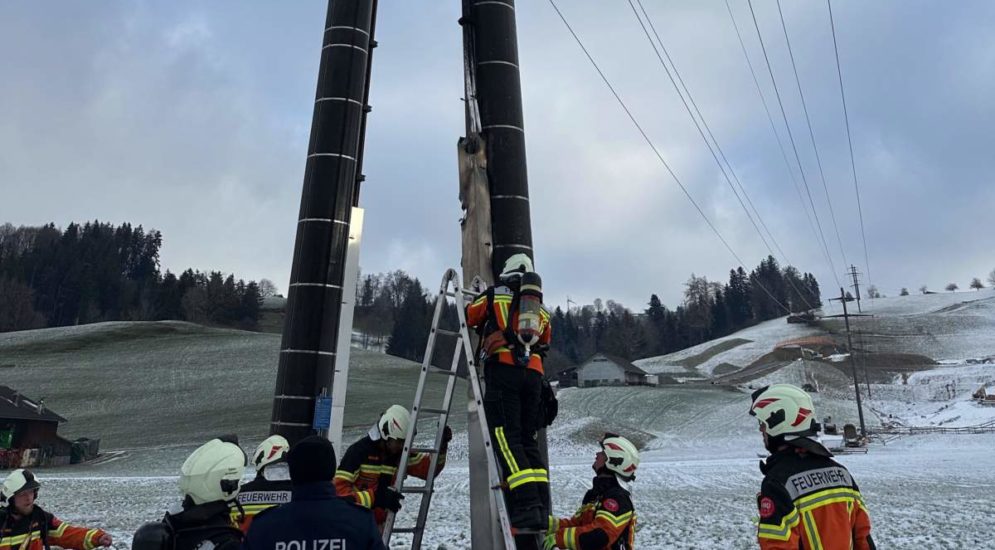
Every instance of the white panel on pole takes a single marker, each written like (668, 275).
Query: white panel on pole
(341, 380)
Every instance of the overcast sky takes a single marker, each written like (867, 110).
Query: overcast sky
(193, 118)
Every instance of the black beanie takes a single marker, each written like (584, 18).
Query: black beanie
(312, 459)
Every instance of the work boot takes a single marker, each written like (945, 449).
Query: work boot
(528, 518)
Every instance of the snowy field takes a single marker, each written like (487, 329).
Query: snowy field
(154, 391)
(924, 492)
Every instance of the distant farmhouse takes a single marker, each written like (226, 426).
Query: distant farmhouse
(607, 370)
(29, 434)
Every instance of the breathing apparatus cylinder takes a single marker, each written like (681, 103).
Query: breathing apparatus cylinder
(528, 330)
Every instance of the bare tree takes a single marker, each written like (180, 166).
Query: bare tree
(267, 288)
(952, 287)
(924, 289)
(991, 277)
(872, 292)
(904, 292)
(976, 284)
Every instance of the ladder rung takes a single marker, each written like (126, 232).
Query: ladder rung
(447, 332)
(422, 450)
(446, 372)
(405, 529)
(422, 490)
(427, 410)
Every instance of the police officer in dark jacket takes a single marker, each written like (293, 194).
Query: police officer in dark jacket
(315, 518)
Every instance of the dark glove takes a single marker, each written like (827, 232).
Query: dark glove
(447, 436)
(388, 498)
(550, 405)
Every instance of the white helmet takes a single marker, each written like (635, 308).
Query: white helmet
(213, 472)
(18, 481)
(515, 266)
(783, 409)
(273, 449)
(394, 423)
(623, 457)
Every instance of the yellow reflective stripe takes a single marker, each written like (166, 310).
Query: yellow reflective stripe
(782, 531)
(364, 499)
(583, 509)
(416, 458)
(346, 475)
(552, 524)
(617, 521)
(812, 531)
(15, 540)
(527, 476)
(60, 530)
(89, 541)
(252, 508)
(509, 458)
(570, 538)
(810, 501)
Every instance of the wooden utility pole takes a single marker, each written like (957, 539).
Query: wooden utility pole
(856, 285)
(494, 192)
(853, 366)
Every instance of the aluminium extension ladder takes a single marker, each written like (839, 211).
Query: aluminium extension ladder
(450, 288)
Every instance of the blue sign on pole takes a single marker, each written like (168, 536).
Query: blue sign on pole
(322, 413)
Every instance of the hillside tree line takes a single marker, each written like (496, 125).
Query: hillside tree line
(394, 309)
(98, 272)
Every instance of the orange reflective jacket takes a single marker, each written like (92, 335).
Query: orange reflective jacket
(32, 532)
(364, 467)
(606, 520)
(500, 298)
(810, 502)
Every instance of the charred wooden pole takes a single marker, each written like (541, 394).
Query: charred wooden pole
(314, 298)
(492, 171)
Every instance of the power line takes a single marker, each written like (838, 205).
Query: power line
(690, 97)
(849, 141)
(811, 133)
(773, 127)
(794, 146)
(656, 151)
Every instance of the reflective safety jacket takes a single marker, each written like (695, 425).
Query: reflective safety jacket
(606, 520)
(493, 311)
(258, 495)
(810, 502)
(364, 468)
(42, 530)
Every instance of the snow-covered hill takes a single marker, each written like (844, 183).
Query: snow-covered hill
(697, 482)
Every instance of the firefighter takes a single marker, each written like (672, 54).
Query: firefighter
(807, 500)
(271, 486)
(369, 467)
(606, 519)
(315, 518)
(209, 481)
(26, 526)
(513, 377)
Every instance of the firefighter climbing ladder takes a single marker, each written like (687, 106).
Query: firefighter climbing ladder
(450, 288)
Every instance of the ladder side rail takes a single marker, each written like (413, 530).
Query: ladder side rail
(402, 468)
(447, 401)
